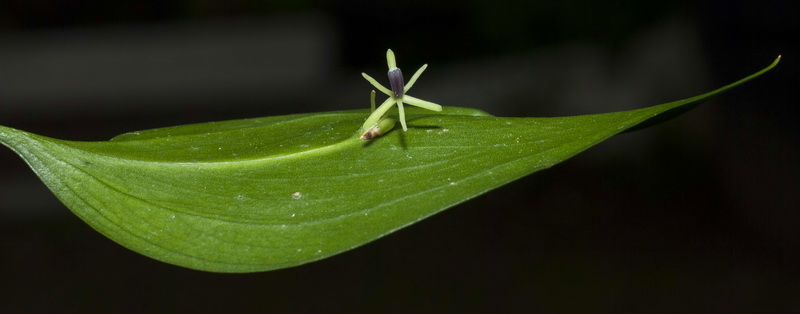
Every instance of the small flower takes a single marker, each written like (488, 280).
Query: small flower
(376, 123)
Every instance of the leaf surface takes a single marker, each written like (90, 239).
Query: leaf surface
(267, 193)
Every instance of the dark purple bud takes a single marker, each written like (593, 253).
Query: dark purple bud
(397, 82)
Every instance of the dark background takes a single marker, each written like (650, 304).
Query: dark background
(699, 214)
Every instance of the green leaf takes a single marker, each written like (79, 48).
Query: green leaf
(267, 193)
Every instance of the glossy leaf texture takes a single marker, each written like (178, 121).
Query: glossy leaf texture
(267, 193)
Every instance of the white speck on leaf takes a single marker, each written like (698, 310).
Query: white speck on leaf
(297, 196)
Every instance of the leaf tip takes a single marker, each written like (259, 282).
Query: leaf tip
(774, 63)
(5, 134)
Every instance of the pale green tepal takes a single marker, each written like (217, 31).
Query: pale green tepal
(268, 193)
(377, 122)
